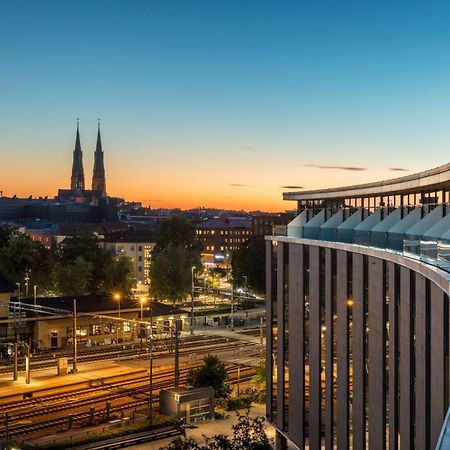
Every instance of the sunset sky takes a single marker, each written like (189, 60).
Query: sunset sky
(222, 103)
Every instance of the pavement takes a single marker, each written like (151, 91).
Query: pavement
(220, 426)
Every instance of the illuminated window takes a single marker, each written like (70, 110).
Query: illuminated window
(221, 248)
(126, 327)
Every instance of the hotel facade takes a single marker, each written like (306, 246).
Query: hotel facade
(358, 316)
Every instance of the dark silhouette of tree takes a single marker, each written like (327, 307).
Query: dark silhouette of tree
(249, 261)
(20, 256)
(176, 251)
(170, 274)
(211, 373)
(248, 434)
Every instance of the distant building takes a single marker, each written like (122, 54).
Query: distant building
(78, 191)
(270, 224)
(137, 244)
(74, 205)
(220, 237)
(96, 324)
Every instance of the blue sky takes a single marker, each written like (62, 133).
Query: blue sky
(199, 97)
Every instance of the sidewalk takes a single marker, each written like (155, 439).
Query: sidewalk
(222, 426)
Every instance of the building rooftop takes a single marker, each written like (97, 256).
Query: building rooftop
(101, 304)
(429, 180)
(226, 223)
(6, 286)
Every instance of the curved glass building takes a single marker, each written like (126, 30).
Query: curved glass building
(358, 316)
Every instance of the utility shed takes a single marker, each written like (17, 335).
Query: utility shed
(191, 404)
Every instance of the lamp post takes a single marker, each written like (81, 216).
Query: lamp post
(117, 297)
(232, 308)
(35, 294)
(192, 299)
(142, 301)
(246, 283)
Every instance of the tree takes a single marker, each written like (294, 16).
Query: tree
(249, 261)
(107, 274)
(260, 376)
(176, 251)
(248, 434)
(170, 274)
(118, 275)
(177, 232)
(211, 373)
(74, 278)
(21, 256)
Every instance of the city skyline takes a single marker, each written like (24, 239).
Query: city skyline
(198, 101)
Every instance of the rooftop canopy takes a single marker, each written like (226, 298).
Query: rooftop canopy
(431, 180)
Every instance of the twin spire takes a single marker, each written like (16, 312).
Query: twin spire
(99, 177)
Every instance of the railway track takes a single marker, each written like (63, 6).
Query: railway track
(137, 392)
(99, 353)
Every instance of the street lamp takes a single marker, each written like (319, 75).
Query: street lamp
(142, 301)
(192, 299)
(117, 297)
(246, 283)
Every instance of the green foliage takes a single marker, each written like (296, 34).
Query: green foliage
(105, 272)
(260, 376)
(170, 274)
(248, 434)
(74, 277)
(88, 247)
(178, 232)
(118, 275)
(176, 252)
(241, 402)
(249, 261)
(211, 373)
(19, 255)
(78, 266)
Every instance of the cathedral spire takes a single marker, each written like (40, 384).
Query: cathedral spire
(99, 177)
(77, 179)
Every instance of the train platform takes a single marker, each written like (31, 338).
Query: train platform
(88, 373)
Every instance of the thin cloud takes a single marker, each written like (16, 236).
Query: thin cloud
(353, 169)
(291, 187)
(248, 148)
(399, 169)
(239, 185)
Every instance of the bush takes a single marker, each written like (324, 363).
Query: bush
(234, 403)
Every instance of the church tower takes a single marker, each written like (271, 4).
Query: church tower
(77, 179)
(99, 177)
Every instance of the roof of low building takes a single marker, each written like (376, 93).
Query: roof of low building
(226, 223)
(100, 304)
(6, 286)
(131, 234)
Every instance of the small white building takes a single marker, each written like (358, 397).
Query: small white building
(138, 246)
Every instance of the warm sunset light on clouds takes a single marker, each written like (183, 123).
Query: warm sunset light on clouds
(221, 104)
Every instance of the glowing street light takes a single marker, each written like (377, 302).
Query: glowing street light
(117, 297)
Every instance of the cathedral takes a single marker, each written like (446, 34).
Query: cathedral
(77, 191)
